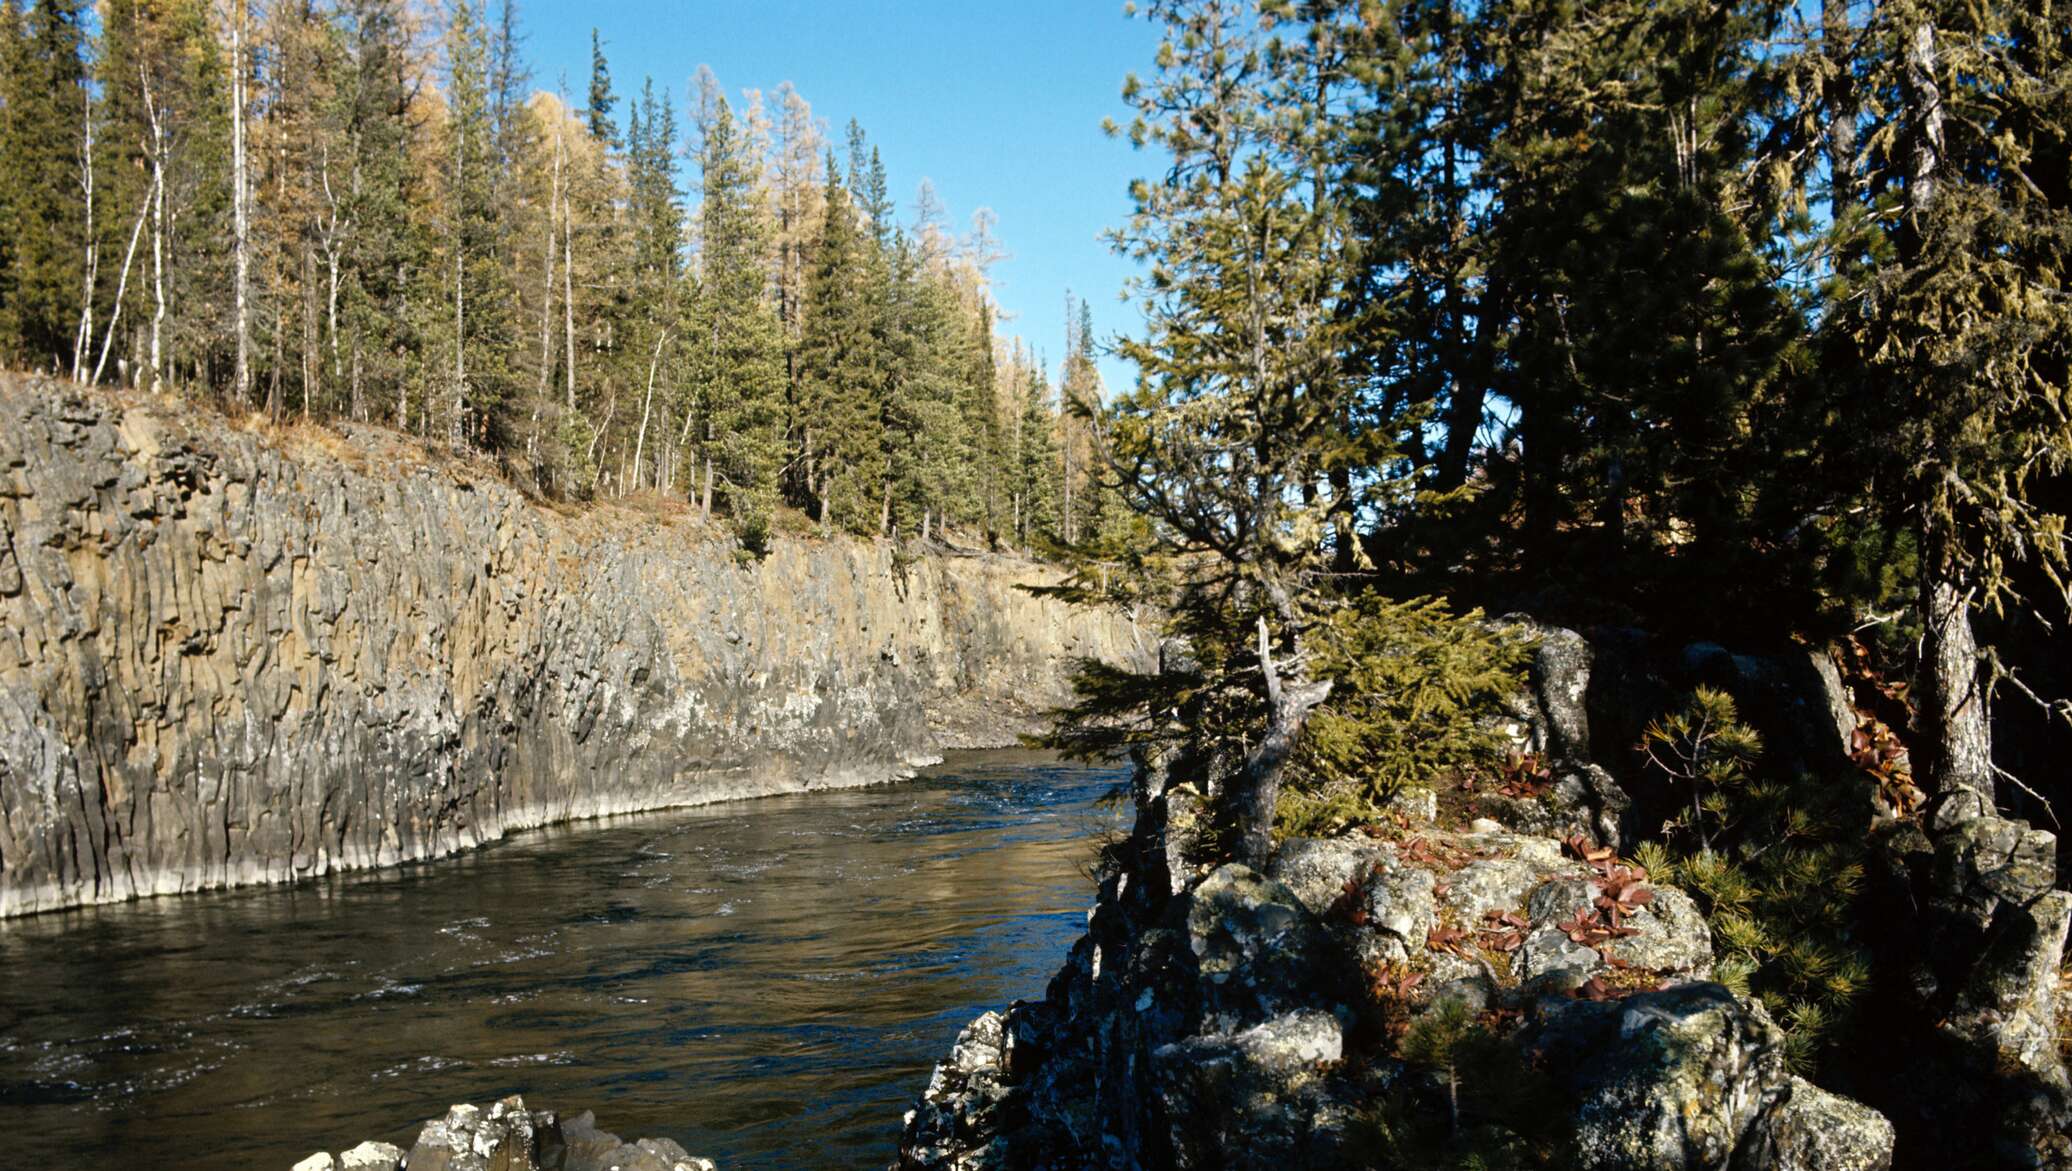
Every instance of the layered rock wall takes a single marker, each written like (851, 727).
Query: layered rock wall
(229, 659)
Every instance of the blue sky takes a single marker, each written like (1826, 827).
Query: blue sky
(998, 102)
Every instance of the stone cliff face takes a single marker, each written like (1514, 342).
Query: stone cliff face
(225, 660)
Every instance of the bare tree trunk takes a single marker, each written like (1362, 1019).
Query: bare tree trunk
(460, 346)
(1952, 707)
(1952, 713)
(1835, 35)
(83, 337)
(240, 207)
(122, 285)
(157, 202)
(1288, 704)
(568, 294)
(646, 407)
(705, 505)
(312, 375)
(539, 399)
(333, 233)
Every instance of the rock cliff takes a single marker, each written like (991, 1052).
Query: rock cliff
(227, 658)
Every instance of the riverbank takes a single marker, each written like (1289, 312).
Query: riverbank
(230, 658)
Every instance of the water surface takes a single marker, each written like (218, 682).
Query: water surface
(767, 982)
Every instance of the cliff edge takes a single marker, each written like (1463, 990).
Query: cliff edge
(229, 659)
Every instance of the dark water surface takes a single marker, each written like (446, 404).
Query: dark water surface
(767, 982)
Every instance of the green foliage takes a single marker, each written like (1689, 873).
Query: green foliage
(1416, 692)
(1777, 867)
(1705, 748)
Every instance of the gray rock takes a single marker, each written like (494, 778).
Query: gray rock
(321, 1161)
(372, 1156)
(1805, 1128)
(1251, 1099)
(2011, 1000)
(1259, 951)
(1315, 870)
(1665, 1081)
(1987, 860)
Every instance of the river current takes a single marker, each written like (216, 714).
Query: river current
(767, 982)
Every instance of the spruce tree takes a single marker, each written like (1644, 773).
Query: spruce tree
(601, 99)
(735, 335)
(13, 50)
(839, 373)
(39, 322)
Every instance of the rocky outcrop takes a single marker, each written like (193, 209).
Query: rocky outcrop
(1983, 958)
(230, 659)
(1216, 1017)
(510, 1137)
(1225, 1026)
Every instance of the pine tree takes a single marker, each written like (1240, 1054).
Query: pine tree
(1952, 332)
(1228, 439)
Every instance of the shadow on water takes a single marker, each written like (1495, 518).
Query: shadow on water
(767, 982)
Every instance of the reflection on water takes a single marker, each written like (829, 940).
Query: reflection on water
(766, 982)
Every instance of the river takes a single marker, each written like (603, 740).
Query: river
(767, 982)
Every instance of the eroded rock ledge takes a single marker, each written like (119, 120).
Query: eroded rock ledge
(230, 660)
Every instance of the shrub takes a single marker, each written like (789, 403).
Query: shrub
(1777, 866)
(1417, 695)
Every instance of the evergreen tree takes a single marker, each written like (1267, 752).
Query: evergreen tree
(1952, 331)
(736, 336)
(602, 128)
(477, 297)
(13, 50)
(1035, 455)
(839, 373)
(49, 108)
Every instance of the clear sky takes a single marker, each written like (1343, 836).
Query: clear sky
(998, 102)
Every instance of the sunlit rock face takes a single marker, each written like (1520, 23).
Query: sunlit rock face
(228, 660)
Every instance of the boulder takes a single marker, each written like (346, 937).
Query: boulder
(372, 1156)
(1805, 1128)
(509, 1137)
(1253, 1098)
(2010, 1002)
(1259, 952)
(1985, 861)
(321, 1161)
(1663, 1081)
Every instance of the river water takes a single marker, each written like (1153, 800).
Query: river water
(767, 982)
